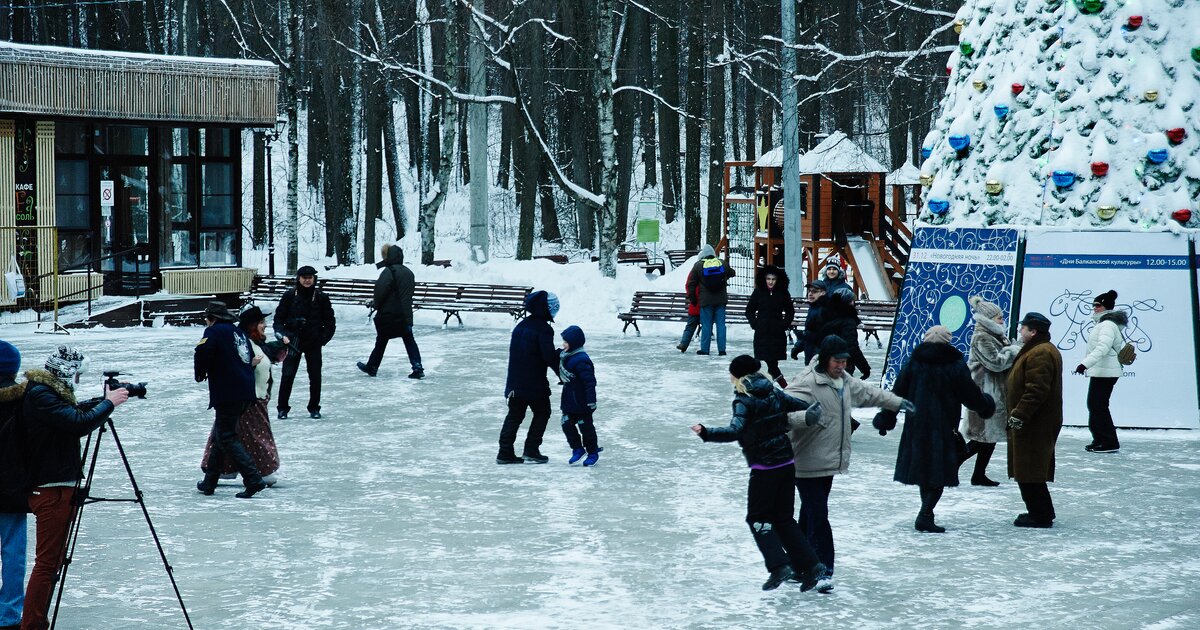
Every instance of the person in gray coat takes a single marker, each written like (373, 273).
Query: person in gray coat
(393, 305)
(990, 359)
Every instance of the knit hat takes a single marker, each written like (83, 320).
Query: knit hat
(985, 308)
(1108, 300)
(217, 310)
(552, 304)
(744, 365)
(832, 347)
(573, 335)
(834, 264)
(10, 359)
(1036, 321)
(306, 270)
(938, 334)
(66, 363)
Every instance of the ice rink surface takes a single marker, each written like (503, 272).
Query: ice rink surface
(391, 513)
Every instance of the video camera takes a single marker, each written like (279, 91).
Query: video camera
(136, 390)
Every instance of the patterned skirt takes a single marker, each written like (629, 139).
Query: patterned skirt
(254, 430)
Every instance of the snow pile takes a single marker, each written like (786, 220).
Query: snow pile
(1073, 112)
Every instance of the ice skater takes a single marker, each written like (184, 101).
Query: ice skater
(530, 353)
(1103, 369)
(990, 359)
(760, 427)
(578, 375)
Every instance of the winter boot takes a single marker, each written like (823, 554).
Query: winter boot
(251, 490)
(366, 369)
(508, 458)
(681, 347)
(282, 414)
(777, 577)
(592, 458)
(315, 415)
(206, 488)
(1025, 520)
(535, 458)
(417, 373)
(812, 577)
(576, 455)
(924, 523)
(721, 353)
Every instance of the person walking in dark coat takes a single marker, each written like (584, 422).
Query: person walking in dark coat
(530, 353)
(1035, 419)
(304, 321)
(52, 423)
(937, 381)
(840, 317)
(14, 496)
(810, 340)
(225, 359)
(394, 311)
(710, 278)
(760, 426)
(578, 375)
(770, 312)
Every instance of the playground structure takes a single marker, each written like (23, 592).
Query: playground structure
(845, 216)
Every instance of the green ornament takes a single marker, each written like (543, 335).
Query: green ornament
(1090, 6)
(966, 49)
(1196, 54)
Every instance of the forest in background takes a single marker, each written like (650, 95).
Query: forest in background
(575, 98)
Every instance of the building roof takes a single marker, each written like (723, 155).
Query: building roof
(839, 154)
(72, 82)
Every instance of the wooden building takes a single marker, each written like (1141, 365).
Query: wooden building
(123, 171)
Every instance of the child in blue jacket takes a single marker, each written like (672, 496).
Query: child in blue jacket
(578, 397)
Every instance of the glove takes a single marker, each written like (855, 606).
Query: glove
(1015, 423)
(907, 407)
(813, 414)
(866, 375)
(592, 406)
(884, 421)
(795, 352)
(854, 424)
(1080, 369)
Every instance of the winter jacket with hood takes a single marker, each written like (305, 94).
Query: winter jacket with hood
(307, 315)
(531, 351)
(834, 284)
(840, 317)
(1104, 342)
(578, 375)
(770, 313)
(991, 357)
(394, 291)
(53, 422)
(814, 323)
(823, 449)
(708, 296)
(760, 423)
(1035, 397)
(13, 494)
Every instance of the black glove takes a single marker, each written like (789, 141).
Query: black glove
(884, 421)
(1080, 369)
(854, 424)
(866, 375)
(795, 352)
(812, 415)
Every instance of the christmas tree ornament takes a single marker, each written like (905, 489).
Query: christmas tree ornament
(960, 142)
(1176, 135)
(979, 85)
(1063, 178)
(1001, 110)
(1134, 22)
(1157, 156)
(1151, 95)
(926, 152)
(1106, 212)
(939, 206)
(1099, 169)
(949, 71)
(926, 180)
(958, 26)
(966, 49)
(1090, 7)
(1196, 54)
(1183, 215)
(1017, 88)
(993, 187)
(1062, 95)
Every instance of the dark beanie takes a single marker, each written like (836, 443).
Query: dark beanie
(573, 335)
(744, 365)
(832, 347)
(1108, 300)
(10, 359)
(1036, 321)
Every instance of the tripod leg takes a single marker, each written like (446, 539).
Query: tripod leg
(78, 499)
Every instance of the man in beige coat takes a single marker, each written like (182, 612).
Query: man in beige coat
(823, 449)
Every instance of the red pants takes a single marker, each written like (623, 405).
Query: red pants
(53, 509)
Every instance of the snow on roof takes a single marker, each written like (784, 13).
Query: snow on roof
(839, 154)
(906, 175)
(58, 53)
(771, 159)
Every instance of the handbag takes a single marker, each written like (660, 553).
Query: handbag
(14, 280)
(960, 445)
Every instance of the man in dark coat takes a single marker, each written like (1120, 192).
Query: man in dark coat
(1035, 419)
(770, 312)
(530, 353)
(394, 311)
(840, 317)
(938, 382)
(14, 496)
(224, 358)
(52, 423)
(810, 339)
(304, 321)
(710, 277)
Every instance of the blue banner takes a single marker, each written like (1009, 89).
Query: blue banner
(1105, 261)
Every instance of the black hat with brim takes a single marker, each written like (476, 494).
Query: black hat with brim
(218, 311)
(252, 315)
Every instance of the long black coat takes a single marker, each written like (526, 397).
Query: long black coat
(840, 318)
(770, 314)
(937, 381)
(394, 292)
(53, 423)
(814, 323)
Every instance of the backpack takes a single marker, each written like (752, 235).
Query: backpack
(713, 274)
(14, 476)
(1127, 354)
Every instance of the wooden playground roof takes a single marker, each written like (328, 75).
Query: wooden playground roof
(835, 154)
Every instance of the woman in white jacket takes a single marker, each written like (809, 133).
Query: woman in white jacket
(991, 357)
(1103, 368)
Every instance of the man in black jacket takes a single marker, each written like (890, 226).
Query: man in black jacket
(530, 353)
(393, 302)
(304, 321)
(52, 423)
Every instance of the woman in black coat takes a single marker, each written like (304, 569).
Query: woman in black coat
(770, 312)
(937, 381)
(840, 317)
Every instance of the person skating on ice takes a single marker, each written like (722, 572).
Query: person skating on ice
(989, 360)
(530, 353)
(578, 402)
(1103, 369)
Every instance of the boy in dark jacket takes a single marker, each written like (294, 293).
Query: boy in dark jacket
(578, 397)
(530, 353)
(305, 322)
(760, 426)
(393, 302)
(14, 501)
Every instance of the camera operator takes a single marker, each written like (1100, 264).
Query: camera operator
(53, 423)
(306, 323)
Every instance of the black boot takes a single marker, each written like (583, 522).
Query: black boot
(777, 577)
(924, 523)
(508, 457)
(972, 449)
(930, 495)
(980, 478)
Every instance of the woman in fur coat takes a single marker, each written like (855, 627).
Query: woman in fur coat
(990, 359)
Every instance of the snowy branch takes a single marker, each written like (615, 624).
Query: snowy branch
(917, 9)
(423, 76)
(653, 95)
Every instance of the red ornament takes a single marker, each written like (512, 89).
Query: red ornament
(1182, 215)
(1099, 169)
(1017, 88)
(949, 71)
(1135, 22)
(1176, 135)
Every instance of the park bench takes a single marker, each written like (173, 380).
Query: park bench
(554, 258)
(680, 256)
(642, 258)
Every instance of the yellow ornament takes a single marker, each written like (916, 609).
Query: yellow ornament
(1151, 95)
(1106, 212)
(763, 213)
(979, 85)
(993, 186)
(927, 180)
(958, 26)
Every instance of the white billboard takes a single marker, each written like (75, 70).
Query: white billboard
(1064, 271)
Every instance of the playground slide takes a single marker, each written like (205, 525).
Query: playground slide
(870, 268)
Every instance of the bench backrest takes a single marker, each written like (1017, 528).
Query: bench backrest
(635, 256)
(873, 313)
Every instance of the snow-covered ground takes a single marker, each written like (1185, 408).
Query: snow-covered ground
(391, 512)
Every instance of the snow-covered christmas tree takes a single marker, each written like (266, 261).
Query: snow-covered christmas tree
(1081, 113)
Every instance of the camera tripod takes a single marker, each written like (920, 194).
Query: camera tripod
(83, 498)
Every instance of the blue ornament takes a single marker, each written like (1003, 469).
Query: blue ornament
(926, 152)
(1001, 110)
(939, 206)
(1063, 179)
(958, 143)
(1157, 156)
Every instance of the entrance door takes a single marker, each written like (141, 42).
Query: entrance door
(125, 229)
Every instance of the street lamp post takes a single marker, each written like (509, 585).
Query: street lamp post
(270, 138)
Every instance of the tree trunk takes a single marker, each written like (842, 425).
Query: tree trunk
(714, 229)
(391, 154)
(373, 205)
(478, 137)
(427, 223)
(290, 105)
(640, 40)
(625, 106)
(667, 65)
(602, 90)
(695, 111)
